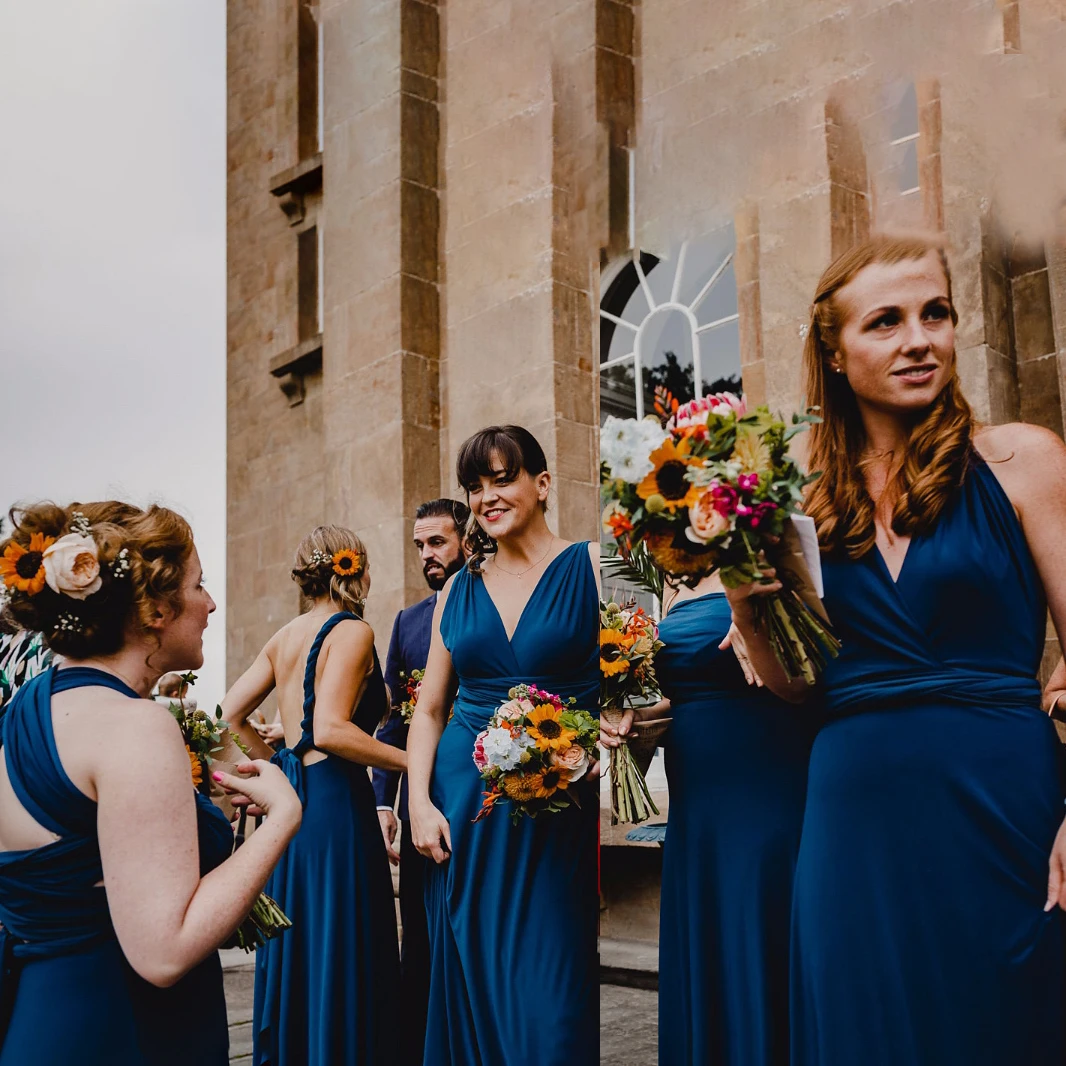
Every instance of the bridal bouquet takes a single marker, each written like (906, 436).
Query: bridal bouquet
(711, 490)
(535, 746)
(205, 736)
(412, 682)
(629, 642)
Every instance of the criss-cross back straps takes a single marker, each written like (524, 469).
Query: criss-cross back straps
(33, 764)
(307, 739)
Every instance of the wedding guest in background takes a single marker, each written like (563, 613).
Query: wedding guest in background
(926, 921)
(117, 883)
(438, 532)
(524, 610)
(23, 655)
(326, 991)
(172, 689)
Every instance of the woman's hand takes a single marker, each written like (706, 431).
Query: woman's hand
(430, 832)
(734, 640)
(266, 791)
(268, 731)
(740, 598)
(611, 736)
(1056, 882)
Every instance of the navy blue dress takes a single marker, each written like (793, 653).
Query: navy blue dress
(934, 797)
(736, 760)
(512, 913)
(68, 995)
(326, 989)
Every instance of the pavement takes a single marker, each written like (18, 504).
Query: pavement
(238, 975)
(629, 1027)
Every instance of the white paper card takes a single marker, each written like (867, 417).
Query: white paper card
(808, 538)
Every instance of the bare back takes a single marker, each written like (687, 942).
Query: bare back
(287, 651)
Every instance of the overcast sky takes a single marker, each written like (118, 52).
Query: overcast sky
(112, 263)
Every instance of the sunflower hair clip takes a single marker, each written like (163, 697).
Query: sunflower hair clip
(22, 569)
(347, 563)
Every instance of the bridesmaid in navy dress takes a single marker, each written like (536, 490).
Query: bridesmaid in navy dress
(116, 881)
(736, 761)
(326, 991)
(512, 908)
(926, 930)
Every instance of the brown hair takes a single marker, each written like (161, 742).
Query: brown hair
(313, 569)
(143, 556)
(937, 453)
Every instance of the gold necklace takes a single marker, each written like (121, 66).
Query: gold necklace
(519, 573)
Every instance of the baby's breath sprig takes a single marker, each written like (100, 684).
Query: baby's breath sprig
(67, 622)
(80, 524)
(120, 565)
(321, 558)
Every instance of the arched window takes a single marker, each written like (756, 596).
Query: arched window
(669, 322)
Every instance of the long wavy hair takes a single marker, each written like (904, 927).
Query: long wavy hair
(937, 455)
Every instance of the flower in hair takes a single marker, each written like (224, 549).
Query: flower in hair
(347, 563)
(120, 565)
(320, 558)
(72, 566)
(23, 568)
(67, 622)
(79, 524)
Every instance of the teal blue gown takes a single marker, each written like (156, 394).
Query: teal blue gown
(67, 993)
(934, 796)
(512, 913)
(326, 990)
(736, 761)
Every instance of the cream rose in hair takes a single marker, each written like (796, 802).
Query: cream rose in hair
(72, 566)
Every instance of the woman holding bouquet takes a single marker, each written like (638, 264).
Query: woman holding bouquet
(326, 991)
(116, 883)
(927, 929)
(512, 907)
(736, 761)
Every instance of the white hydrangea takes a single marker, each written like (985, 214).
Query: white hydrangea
(625, 445)
(503, 750)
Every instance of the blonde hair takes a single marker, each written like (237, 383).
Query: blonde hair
(157, 544)
(940, 444)
(317, 574)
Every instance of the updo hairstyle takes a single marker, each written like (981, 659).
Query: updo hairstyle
(331, 561)
(142, 553)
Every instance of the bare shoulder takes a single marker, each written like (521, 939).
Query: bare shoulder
(355, 633)
(1019, 443)
(594, 552)
(442, 595)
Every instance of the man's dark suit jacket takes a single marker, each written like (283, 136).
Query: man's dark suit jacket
(408, 650)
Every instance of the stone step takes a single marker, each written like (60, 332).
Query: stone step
(629, 963)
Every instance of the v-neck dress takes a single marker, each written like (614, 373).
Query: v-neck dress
(934, 795)
(512, 913)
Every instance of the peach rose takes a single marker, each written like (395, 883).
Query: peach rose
(72, 566)
(514, 709)
(573, 759)
(706, 523)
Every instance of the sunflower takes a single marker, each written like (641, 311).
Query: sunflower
(546, 728)
(752, 454)
(23, 568)
(611, 644)
(347, 563)
(521, 787)
(194, 765)
(550, 781)
(668, 479)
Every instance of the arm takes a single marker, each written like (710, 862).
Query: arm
(428, 825)
(1030, 464)
(166, 918)
(347, 659)
(247, 693)
(1056, 688)
(387, 782)
(759, 653)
